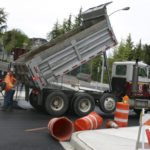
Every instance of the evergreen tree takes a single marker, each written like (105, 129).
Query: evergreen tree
(125, 50)
(3, 19)
(66, 26)
(56, 31)
(69, 24)
(139, 52)
(78, 19)
(146, 49)
(119, 52)
(129, 52)
(96, 63)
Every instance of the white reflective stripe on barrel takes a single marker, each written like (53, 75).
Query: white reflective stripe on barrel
(122, 111)
(90, 121)
(121, 120)
(95, 120)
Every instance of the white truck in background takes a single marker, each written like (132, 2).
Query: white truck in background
(41, 69)
(133, 79)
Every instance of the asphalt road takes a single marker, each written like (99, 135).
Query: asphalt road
(14, 137)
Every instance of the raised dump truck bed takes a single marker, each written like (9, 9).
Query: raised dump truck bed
(58, 57)
(41, 68)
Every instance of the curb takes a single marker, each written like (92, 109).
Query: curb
(77, 143)
(122, 138)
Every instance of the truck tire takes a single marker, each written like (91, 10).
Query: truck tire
(108, 103)
(83, 104)
(56, 103)
(33, 101)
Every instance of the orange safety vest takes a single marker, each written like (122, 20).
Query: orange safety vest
(9, 80)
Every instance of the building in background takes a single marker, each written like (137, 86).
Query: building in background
(36, 42)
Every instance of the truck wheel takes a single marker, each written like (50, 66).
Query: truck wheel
(56, 103)
(108, 103)
(33, 101)
(83, 104)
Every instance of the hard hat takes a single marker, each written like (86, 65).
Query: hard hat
(11, 69)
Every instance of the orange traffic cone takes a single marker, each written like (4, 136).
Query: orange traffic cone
(60, 128)
(89, 122)
(111, 124)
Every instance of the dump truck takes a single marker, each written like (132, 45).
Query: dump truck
(41, 69)
(132, 79)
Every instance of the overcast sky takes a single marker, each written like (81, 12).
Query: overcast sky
(37, 17)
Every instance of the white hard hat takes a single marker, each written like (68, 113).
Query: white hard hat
(11, 69)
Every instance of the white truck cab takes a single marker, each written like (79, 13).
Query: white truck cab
(122, 77)
(125, 70)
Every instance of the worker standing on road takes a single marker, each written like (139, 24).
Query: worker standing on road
(9, 90)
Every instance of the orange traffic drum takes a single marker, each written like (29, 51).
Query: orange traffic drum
(121, 114)
(89, 122)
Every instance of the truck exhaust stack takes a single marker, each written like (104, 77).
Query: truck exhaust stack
(135, 79)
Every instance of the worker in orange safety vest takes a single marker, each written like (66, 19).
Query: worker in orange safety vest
(9, 91)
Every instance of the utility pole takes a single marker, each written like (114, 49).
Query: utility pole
(104, 53)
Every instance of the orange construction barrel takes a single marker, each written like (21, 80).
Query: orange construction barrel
(60, 128)
(121, 114)
(89, 122)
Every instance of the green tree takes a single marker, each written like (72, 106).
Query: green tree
(55, 31)
(59, 29)
(3, 19)
(16, 38)
(69, 24)
(129, 49)
(3, 26)
(125, 50)
(139, 53)
(119, 52)
(66, 26)
(96, 65)
(146, 49)
(78, 19)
